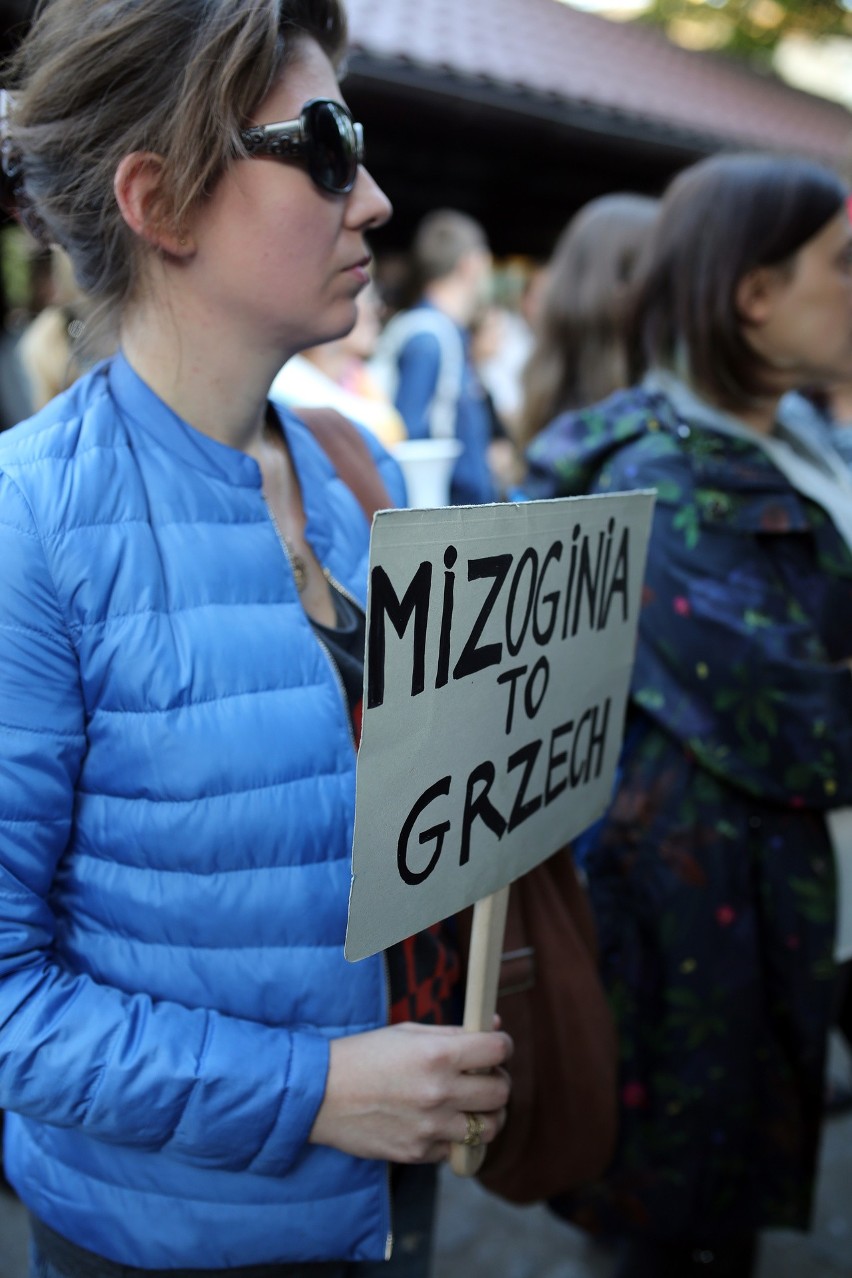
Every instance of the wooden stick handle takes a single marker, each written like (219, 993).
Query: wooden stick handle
(480, 1002)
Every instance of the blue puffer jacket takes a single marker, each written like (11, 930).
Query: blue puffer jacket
(176, 808)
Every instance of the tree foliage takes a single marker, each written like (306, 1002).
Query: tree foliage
(751, 28)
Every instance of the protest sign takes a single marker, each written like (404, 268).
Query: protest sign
(500, 643)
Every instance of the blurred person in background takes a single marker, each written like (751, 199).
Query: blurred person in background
(338, 375)
(490, 331)
(836, 404)
(15, 403)
(579, 352)
(579, 305)
(827, 411)
(712, 874)
(200, 1082)
(51, 343)
(424, 360)
(501, 367)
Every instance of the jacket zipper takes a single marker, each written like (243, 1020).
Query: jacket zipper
(388, 1187)
(386, 975)
(282, 543)
(335, 674)
(332, 581)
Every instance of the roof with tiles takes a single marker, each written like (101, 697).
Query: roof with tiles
(546, 50)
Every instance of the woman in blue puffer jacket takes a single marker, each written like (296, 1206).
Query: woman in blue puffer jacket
(196, 1079)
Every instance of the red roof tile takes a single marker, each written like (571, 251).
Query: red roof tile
(543, 47)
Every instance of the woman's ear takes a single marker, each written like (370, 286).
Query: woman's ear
(755, 295)
(139, 196)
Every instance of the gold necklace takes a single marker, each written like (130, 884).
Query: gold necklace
(272, 433)
(300, 568)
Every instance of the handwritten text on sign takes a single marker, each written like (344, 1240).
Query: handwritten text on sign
(499, 648)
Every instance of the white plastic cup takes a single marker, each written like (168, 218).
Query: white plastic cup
(427, 466)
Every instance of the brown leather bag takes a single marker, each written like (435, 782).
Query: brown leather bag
(347, 450)
(561, 1125)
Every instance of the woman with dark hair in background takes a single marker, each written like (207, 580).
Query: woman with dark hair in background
(712, 874)
(197, 1081)
(580, 354)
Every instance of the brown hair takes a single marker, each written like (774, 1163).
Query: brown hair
(720, 219)
(98, 79)
(580, 354)
(442, 239)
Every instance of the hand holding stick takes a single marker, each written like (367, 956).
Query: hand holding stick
(480, 1004)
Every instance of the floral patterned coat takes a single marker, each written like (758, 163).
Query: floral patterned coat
(712, 876)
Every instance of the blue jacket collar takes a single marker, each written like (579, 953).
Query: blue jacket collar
(143, 409)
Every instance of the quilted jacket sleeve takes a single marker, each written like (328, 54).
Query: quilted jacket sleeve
(207, 1088)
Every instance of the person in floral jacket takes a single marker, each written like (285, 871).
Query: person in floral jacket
(713, 873)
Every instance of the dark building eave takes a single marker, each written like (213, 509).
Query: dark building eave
(584, 122)
(521, 162)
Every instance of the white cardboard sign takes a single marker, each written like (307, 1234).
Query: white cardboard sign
(500, 643)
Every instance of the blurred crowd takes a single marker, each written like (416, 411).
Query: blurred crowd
(448, 344)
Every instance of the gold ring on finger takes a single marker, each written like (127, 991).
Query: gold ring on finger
(475, 1128)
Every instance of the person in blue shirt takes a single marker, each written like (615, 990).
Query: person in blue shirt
(424, 354)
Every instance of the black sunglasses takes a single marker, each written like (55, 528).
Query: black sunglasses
(323, 138)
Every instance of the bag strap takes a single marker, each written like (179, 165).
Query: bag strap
(349, 453)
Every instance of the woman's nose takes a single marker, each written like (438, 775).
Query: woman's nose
(368, 204)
